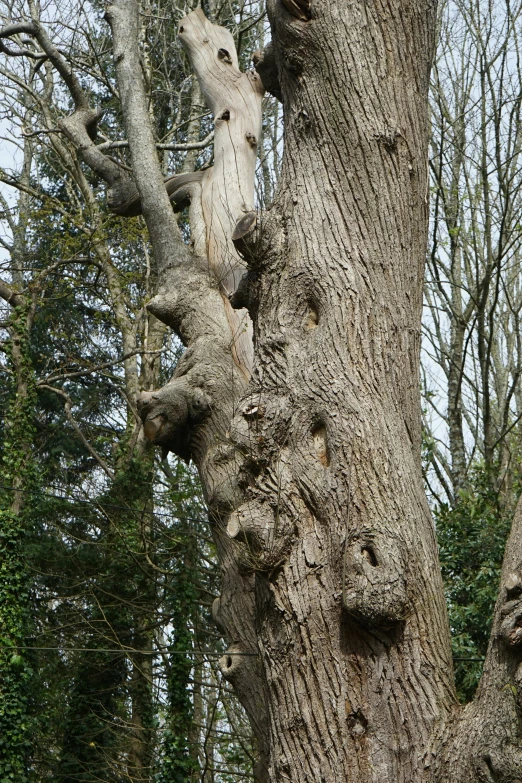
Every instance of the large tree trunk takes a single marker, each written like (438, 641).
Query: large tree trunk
(350, 610)
(329, 521)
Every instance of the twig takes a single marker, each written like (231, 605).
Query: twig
(67, 406)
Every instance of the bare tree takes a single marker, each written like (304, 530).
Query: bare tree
(473, 271)
(308, 447)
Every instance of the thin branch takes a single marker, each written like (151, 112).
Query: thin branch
(68, 406)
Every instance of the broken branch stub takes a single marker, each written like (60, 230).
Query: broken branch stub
(243, 235)
(266, 66)
(227, 192)
(124, 199)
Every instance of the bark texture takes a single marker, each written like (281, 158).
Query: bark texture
(317, 477)
(351, 620)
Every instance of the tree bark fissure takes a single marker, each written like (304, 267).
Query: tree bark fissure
(328, 521)
(346, 560)
(327, 527)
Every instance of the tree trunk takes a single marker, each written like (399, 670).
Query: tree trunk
(352, 624)
(332, 531)
(457, 447)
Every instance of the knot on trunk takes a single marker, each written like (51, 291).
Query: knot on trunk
(265, 64)
(501, 765)
(241, 297)
(124, 199)
(511, 611)
(246, 237)
(234, 663)
(189, 301)
(375, 589)
(169, 415)
(216, 614)
(223, 491)
(262, 534)
(241, 666)
(251, 525)
(246, 295)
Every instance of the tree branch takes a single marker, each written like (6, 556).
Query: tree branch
(9, 294)
(68, 412)
(123, 17)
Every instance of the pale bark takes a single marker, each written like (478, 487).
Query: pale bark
(191, 415)
(228, 187)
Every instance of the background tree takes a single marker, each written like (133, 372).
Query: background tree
(472, 329)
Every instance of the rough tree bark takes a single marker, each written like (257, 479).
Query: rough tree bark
(351, 617)
(331, 517)
(310, 458)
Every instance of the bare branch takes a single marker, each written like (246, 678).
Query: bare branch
(68, 412)
(9, 294)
